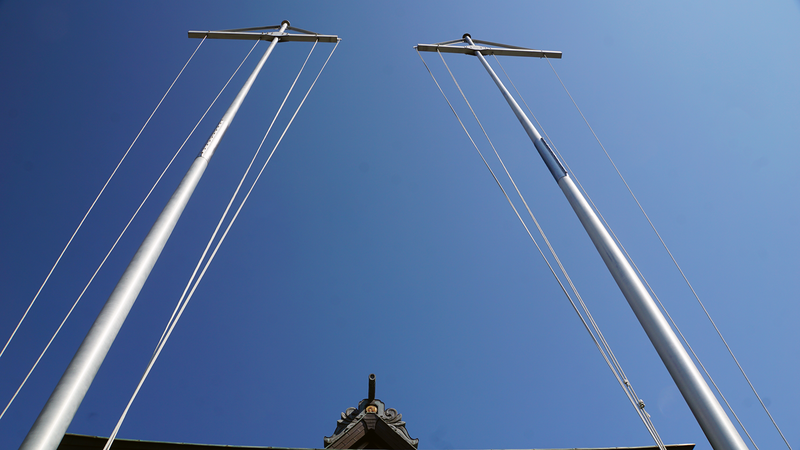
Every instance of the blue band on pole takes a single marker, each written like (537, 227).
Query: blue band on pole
(553, 164)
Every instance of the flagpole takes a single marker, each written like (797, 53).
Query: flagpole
(49, 428)
(708, 412)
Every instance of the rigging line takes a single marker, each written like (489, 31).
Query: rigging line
(579, 184)
(215, 100)
(663, 308)
(236, 192)
(652, 291)
(674, 324)
(173, 323)
(633, 263)
(501, 188)
(607, 346)
(582, 189)
(628, 256)
(661, 305)
(577, 180)
(697, 358)
(563, 288)
(630, 259)
(642, 414)
(663, 243)
(113, 246)
(536, 222)
(586, 309)
(638, 405)
(685, 278)
(125, 155)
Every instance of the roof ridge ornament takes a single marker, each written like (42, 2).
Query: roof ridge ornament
(371, 389)
(371, 423)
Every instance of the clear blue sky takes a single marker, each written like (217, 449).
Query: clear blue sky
(377, 240)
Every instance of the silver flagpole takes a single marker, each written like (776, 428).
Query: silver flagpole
(49, 428)
(716, 425)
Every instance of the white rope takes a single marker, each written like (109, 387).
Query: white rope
(612, 362)
(630, 259)
(649, 288)
(685, 278)
(125, 155)
(617, 367)
(184, 300)
(664, 309)
(574, 176)
(624, 383)
(120, 237)
(627, 386)
(225, 213)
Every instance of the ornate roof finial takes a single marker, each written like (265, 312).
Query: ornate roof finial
(371, 393)
(371, 425)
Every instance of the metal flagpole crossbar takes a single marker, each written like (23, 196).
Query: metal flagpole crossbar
(259, 33)
(498, 49)
(49, 428)
(708, 412)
